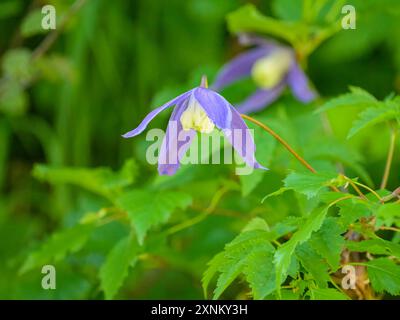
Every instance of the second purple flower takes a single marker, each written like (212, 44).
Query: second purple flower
(272, 67)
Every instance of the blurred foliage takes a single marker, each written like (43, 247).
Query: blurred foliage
(74, 194)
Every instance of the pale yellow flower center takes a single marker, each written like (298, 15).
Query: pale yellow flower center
(267, 72)
(194, 117)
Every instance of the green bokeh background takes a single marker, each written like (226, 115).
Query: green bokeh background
(117, 60)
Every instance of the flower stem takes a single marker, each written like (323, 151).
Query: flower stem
(389, 159)
(188, 223)
(285, 144)
(369, 189)
(281, 141)
(204, 82)
(351, 182)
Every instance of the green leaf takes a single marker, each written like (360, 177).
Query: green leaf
(389, 214)
(213, 268)
(32, 24)
(17, 64)
(287, 225)
(147, 208)
(275, 194)
(115, 268)
(350, 210)
(372, 116)
(58, 246)
(310, 184)
(256, 224)
(102, 181)
(384, 275)
(313, 263)
(357, 97)
(250, 254)
(259, 271)
(249, 19)
(284, 253)
(327, 294)
(375, 246)
(328, 241)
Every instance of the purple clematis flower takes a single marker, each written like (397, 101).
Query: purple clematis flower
(272, 67)
(199, 109)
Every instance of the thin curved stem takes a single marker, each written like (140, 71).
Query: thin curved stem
(281, 141)
(354, 186)
(369, 189)
(389, 159)
(188, 223)
(285, 144)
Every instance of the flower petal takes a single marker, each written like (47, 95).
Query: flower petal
(242, 141)
(260, 99)
(239, 67)
(298, 82)
(175, 143)
(216, 107)
(140, 128)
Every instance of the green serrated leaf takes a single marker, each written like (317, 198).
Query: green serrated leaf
(256, 224)
(284, 253)
(351, 210)
(389, 214)
(375, 115)
(327, 294)
(328, 241)
(147, 208)
(375, 246)
(250, 254)
(260, 273)
(357, 97)
(310, 184)
(213, 267)
(313, 263)
(58, 246)
(274, 194)
(115, 268)
(102, 181)
(384, 275)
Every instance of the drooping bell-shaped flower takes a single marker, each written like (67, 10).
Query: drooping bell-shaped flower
(272, 67)
(200, 109)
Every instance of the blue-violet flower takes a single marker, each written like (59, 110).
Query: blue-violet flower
(200, 109)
